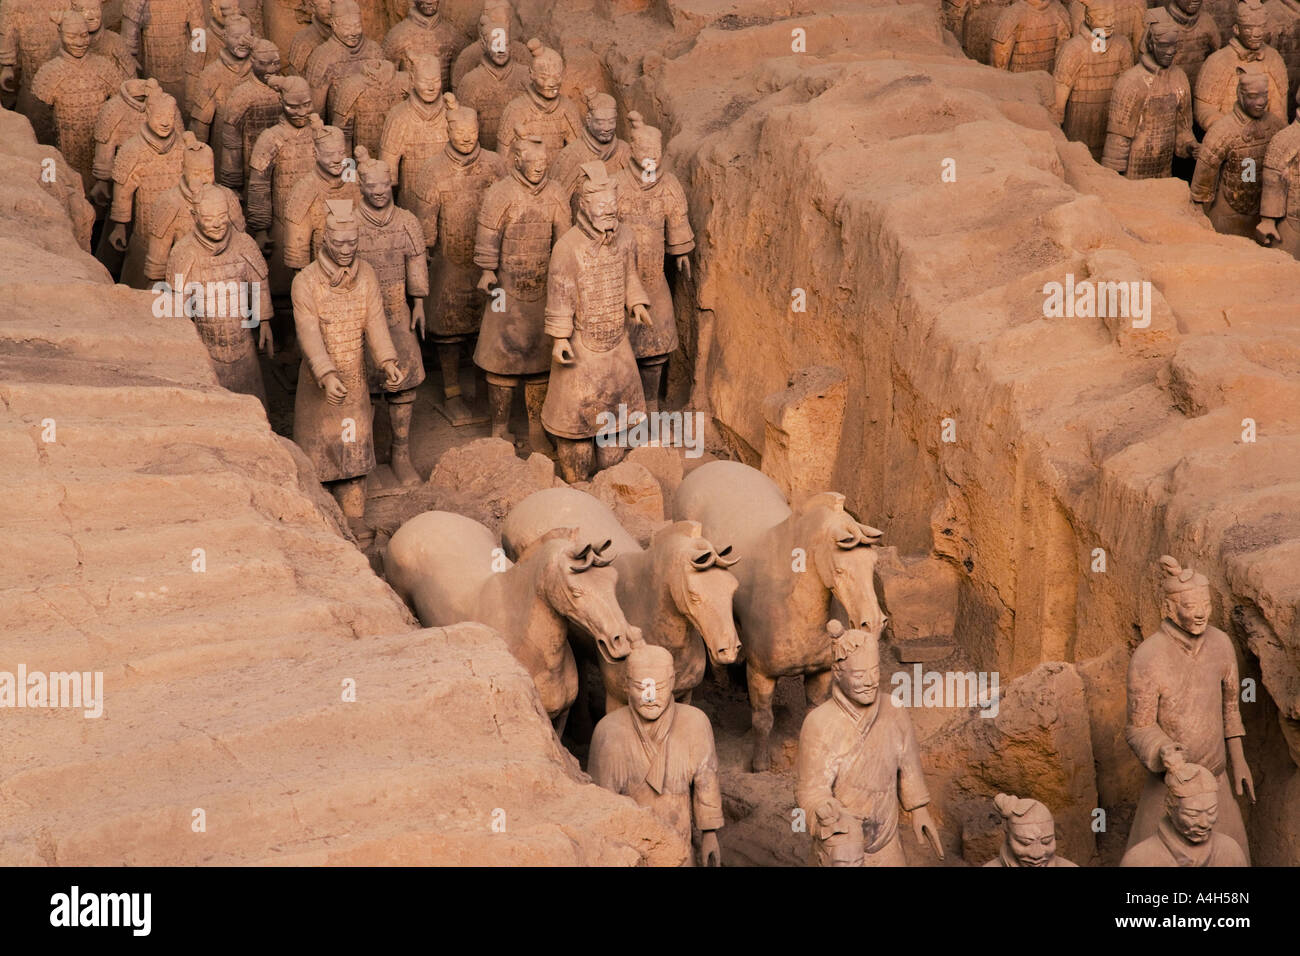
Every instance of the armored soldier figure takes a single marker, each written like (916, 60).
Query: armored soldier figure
(306, 40)
(498, 75)
(1279, 202)
(214, 254)
(106, 42)
(1028, 34)
(283, 156)
(1198, 36)
(214, 41)
(28, 38)
(1128, 20)
(222, 75)
(593, 284)
(363, 101)
(1030, 834)
(172, 214)
(1216, 86)
(652, 204)
(392, 241)
(338, 312)
(250, 108)
(1183, 705)
(417, 127)
(520, 219)
(661, 753)
(341, 55)
(1086, 72)
(494, 46)
(147, 165)
(1228, 164)
(305, 209)
(445, 194)
(76, 83)
(1186, 835)
(978, 19)
(542, 110)
(158, 34)
(1151, 108)
(423, 31)
(597, 143)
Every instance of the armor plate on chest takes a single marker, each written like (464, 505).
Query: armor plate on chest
(154, 175)
(342, 327)
(644, 215)
(165, 40)
(526, 251)
(601, 291)
(294, 160)
(222, 278)
(384, 247)
(1242, 194)
(458, 208)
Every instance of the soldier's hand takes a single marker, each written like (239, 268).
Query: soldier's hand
(1266, 232)
(117, 238)
(487, 280)
(1243, 781)
(1192, 150)
(335, 391)
(7, 83)
(925, 830)
(264, 340)
(263, 240)
(709, 848)
(562, 352)
(100, 193)
(684, 265)
(417, 317)
(642, 315)
(392, 375)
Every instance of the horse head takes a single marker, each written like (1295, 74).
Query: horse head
(844, 554)
(701, 586)
(579, 585)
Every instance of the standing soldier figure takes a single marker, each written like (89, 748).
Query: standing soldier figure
(1216, 86)
(542, 110)
(305, 209)
(28, 38)
(76, 83)
(1231, 159)
(1198, 36)
(445, 194)
(417, 127)
(215, 253)
(1028, 34)
(363, 101)
(597, 142)
(498, 74)
(250, 108)
(423, 31)
(519, 221)
(173, 212)
(339, 56)
(1086, 72)
(338, 312)
(496, 49)
(306, 40)
(1128, 20)
(158, 33)
(232, 67)
(214, 41)
(1151, 108)
(1279, 201)
(393, 243)
(593, 285)
(652, 204)
(105, 42)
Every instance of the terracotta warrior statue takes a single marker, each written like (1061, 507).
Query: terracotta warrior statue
(341, 55)
(173, 212)
(305, 209)
(593, 285)
(1216, 86)
(283, 156)
(218, 11)
(542, 110)
(392, 241)
(338, 311)
(1198, 36)
(660, 753)
(596, 143)
(520, 219)
(1230, 162)
(28, 38)
(104, 41)
(1031, 834)
(306, 40)
(495, 47)
(1151, 108)
(147, 165)
(1183, 705)
(1028, 34)
(416, 128)
(216, 250)
(76, 83)
(652, 204)
(250, 108)
(159, 34)
(1186, 834)
(498, 74)
(423, 31)
(232, 67)
(1128, 20)
(363, 101)
(446, 193)
(1085, 76)
(1279, 202)
(859, 763)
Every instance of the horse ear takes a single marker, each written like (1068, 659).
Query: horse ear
(869, 534)
(727, 557)
(598, 551)
(703, 560)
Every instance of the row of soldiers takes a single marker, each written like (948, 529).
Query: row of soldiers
(1140, 87)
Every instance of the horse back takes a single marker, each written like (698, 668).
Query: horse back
(438, 563)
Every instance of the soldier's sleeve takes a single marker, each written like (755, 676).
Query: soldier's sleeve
(417, 260)
(561, 293)
(1121, 124)
(1127, 56)
(487, 238)
(297, 230)
(46, 83)
(1004, 37)
(1232, 725)
(123, 186)
(575, 122)
(600, 766)
(258, 199)
(392, 141)
(236, 211)
(391, 47)
(378, 341)
(230, 139)
(1205, 110)
(135, 14)
(706, 790)
(506, 128)
(1277, 73)
(1273, 195)
(424, 201)
(1144, 735)
(634, 292)
(306, 322)
(1068, 63)
(679, 235)
(1184, 138)
(912, 791)
(258, 271)
(815, 772)
(161, 241)
(1213, 39)
(204, 106)
(1209, 159)
(176, 268)
(1063, 31)
(1076, 16)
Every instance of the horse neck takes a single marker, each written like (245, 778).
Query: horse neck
(646, 596)
(515, 595)
(808, 598)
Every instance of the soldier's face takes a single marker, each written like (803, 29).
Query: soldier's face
(546, 82)
(1251, 35)
(463, 134)
(1195, 816)
(348, 30)
(601, 126)
(341, 241)
(1100, 18)
(1254, 103)
(1163, 49)
(92, 11)
(332, 155)
(1032, 844)
(377, 191)
(427, 82)
(532, 164)
(647, 156)
(427, 7)
(1189, 7)
(496, 41)
(200, 174)
(297, 107)
(160, 114)
(1190, 609)
(239, 40)
(858, 675)
(266, 62)
(601, 208)
(213, 219)
(76, 36)
(650, 694)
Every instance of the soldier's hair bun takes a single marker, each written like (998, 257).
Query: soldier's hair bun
(535, 46)
(635, 120)
(362, 155)
(191, 141)
(316, 122)
(449, 99)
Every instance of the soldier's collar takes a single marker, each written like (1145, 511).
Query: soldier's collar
(601, 150)
(159, 144)
(863, 717)
(1150, 64)
(420, 19)
(1183, 852)
(336, 274)
(497, 71)
(234, 64)
(1190, 643)
(463, 159)
(378, 217)
(215, 248)
(136, 103)
(1248, 55)
(591, 232)
(426, 111)
(541, 102)
(1185, 19)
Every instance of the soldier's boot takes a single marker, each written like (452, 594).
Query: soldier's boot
(500, 398)
(453, 404)
(651, 373)
(534, 398)
(575, 456)
(350, 493)
(400, 406)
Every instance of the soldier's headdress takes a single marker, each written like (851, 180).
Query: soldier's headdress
(263, 46)
(237, 19)
(1252, 82)
(196, 157)
(1161, 25)
(344, 8)
(600, 104)
(210, 195)
(427, 64)
(844, 641)
(641, 134)
(371, 169)
(288, 84)
(544, 58)
(1177, 578)
(456, 112)
(324, 135)
(526, 143)
(496, 13)
(1021, 809)
(68, 19)
(649, 660)
(1251, 12)
(1189, 780)
(596, 178)
(340, 214)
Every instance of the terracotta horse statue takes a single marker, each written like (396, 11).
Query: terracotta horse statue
(802, 566)
(678, 591)
(449, 568)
